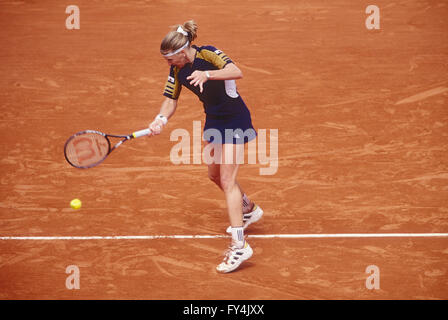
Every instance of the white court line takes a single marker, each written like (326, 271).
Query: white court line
(263, 236)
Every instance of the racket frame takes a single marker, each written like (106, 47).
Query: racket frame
(106, 136)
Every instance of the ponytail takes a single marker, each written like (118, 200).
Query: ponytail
(177, 38)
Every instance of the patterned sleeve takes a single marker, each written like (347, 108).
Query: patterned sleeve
(215, 56)
(172, 86)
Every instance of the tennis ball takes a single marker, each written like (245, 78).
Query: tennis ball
(76, 204)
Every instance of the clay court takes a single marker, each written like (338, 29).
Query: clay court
(362, 120)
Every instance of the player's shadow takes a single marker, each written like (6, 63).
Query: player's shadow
(245, 265)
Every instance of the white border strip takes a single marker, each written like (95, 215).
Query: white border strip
(262, 236)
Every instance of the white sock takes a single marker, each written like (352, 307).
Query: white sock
(238, 236)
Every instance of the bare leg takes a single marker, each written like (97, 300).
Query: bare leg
(239, 250)
(231, 189)
(214, 174)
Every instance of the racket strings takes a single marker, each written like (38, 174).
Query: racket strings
(87, 149)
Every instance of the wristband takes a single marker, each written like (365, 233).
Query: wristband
(163, 118)
(207, 74)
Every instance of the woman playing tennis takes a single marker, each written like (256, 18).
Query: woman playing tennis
(211, 75)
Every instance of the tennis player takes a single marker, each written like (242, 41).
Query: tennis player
(211, 75)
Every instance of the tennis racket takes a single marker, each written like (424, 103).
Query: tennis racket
(87, 149)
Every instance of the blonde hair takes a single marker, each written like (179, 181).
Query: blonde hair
(175, 40)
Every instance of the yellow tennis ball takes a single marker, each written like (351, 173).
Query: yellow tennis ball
(75, 204)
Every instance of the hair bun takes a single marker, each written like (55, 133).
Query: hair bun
(191, 28)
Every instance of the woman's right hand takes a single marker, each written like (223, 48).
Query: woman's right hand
(157, 125)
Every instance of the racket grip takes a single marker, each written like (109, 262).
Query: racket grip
(141, 133)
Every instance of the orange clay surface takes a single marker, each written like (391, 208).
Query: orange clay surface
(363, 124)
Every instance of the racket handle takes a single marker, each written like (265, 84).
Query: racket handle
(141, 133)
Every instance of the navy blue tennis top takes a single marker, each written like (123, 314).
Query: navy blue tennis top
(219, 97)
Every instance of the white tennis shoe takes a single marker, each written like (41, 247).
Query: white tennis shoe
(249, 217)
(234, 257)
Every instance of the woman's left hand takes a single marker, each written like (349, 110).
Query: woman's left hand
(198, 78)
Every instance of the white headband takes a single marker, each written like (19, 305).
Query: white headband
(180, 30)
(178, 50)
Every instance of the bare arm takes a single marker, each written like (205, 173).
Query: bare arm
(166, 111)
(229, 72)
(168, 107)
